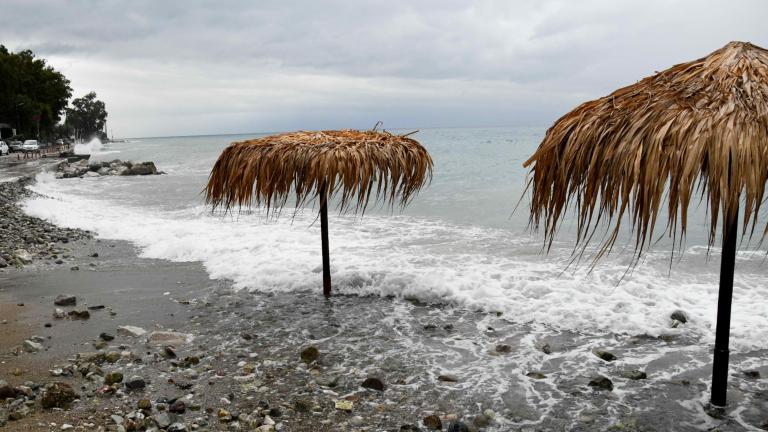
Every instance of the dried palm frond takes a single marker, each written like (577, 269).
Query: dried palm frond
(357, 165)
(696, 128)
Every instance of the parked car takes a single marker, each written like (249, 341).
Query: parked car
(4, 150)
(14, 145)
(59, 142)
(30, 145)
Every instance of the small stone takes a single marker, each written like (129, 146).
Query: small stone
(481, 421)
(605, 355)
(310, 354)
(224, 415)
(373, 383)
(59, 313)
(343, 405)
(75, 268)
(458, 427)
(634, 374)
(433, 422)
(112, 357)
(601, 383)
(117, 419)
(503, 348)
(58, 395)
(135, 383)
(535, 375)
(680, 316)
(356, 420)
(177, 427)
(113, 378)
(327, 380)
(448, 378)
(409, 428)
(79, 314)
(131, 331)
(545, 348)
(144, 404)
(66, 426)
(65, 300)
(163, 420)
(178, 407)
(302, 406)
(32, 346)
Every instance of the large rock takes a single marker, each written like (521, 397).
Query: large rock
(373, 383)
(141, 168)
(601, 383)
(58, 395)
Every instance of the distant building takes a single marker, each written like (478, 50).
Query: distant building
(6, 131)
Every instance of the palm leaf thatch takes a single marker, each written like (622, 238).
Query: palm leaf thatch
(354, 164)
(698, 128)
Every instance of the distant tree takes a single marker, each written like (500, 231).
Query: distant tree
(33, 95)
(87, 117)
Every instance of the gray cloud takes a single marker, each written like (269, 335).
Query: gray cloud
(209, 67)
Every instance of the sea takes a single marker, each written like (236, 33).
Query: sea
(463, 242)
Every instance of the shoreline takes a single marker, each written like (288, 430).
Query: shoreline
(243, 367)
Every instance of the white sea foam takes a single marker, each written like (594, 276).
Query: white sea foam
(428, 259)
(93, 147)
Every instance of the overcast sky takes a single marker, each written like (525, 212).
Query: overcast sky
(193, 67)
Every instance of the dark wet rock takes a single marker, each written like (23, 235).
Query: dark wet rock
(310, 354)
(6, 391)
(275, 412)
(433, 422)
(373, 383)
(106, 337)
(144, 404)
(535, 375)
(458, 427)
(96, 307)
(58, 395)
(178, 407)
(753, 374)
(75, 268)
(448, 378)
(135, 383)
(481, 421)
(634, 374)
(601, 383)
(503, 349)
(680, 316)
(545, 348)
(605, 355)
(65, 300)
(113, 378)
(112, 357)
(409, 428)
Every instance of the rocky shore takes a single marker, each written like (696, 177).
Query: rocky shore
(25, 239)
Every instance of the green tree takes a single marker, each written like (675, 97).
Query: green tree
(87, 116)
(33, 95)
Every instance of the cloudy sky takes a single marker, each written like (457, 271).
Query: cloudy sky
(194, 67)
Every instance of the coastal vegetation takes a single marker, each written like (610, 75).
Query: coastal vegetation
(34, 97)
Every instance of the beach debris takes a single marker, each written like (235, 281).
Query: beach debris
(131, 331)
(373, 383)
(309, 354)
(601, 383)
(65, 300)
(432, 422)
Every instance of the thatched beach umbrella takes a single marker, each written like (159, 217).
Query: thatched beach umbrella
(353, 165)
(698, 128)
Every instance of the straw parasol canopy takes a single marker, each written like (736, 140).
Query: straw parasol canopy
(356, 166)
(697, 129)
(353, 164)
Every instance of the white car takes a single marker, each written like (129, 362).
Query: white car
(3, 148)
(30, 145)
